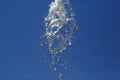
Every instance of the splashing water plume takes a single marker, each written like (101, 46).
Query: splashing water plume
(60, 25)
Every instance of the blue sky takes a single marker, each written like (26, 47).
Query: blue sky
(95, 51)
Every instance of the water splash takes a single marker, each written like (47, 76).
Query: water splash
(60, 26)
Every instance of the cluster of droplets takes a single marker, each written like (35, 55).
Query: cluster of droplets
(60, 25)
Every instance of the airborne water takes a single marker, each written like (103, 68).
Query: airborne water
(60, 26)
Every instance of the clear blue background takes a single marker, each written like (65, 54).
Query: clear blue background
(95, 51)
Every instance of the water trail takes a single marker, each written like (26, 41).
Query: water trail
(60, 26)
